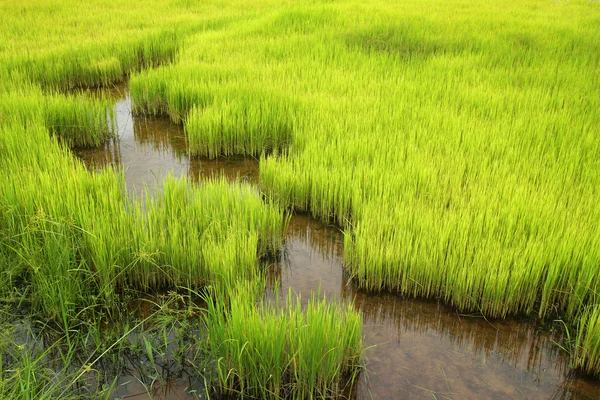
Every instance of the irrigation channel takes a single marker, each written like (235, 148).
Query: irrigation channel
(416, 349)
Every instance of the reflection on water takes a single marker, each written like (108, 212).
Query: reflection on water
(148, 149)
(309, 260)
(417, 349)
(171, 384)
(420, 349)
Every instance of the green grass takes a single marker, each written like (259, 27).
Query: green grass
(587, 342)
(458, 153)
(75, 242)
(461, 160)
(75, 231)
(74, 120)
(266, 351)
(455, 142)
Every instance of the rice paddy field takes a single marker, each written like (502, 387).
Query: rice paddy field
(299, 199)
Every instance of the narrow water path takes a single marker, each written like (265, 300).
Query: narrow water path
(148, 149)
(417, 349)
(420, 349)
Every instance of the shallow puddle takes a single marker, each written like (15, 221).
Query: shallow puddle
(416, 349)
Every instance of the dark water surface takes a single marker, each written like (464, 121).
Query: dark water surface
(417, 349)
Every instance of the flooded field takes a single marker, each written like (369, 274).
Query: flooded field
(290, 200)
(416, 349)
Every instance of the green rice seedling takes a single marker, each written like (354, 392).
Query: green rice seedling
(587, 341)
(172, 92)
(92, 65)
(76, 121)
(268, 352)
(41, 237)
(149, 99)
(83, 236)
(248, 126)
(204, 231)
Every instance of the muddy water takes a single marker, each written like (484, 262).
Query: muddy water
(417, 349)
(148, 149)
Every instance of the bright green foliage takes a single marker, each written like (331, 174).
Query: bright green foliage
(219, 118)
(95, 65)
(75, 120)
(77, 234)
(456, 142)
(265, 351)
(76, 231)
(239, 126)
(587, 342)
(458, 153)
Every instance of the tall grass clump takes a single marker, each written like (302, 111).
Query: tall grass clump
(221, 116)
(207, 234)
(75, 120)
(95, 64)
(47, 204)
(79, 238)
(264, 351)
(249, 126)
(221, 113)
(586, 346)
(173, 91)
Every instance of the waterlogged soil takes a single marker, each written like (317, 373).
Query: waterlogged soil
(416, 349)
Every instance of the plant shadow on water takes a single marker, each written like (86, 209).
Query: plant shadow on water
(415, 348)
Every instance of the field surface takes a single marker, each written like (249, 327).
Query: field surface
(456, 144)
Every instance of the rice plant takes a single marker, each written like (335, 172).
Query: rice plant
(455, 143)
(587, 342)
(74, 120)
(264, 351)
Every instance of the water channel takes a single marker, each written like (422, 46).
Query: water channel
(417, 349)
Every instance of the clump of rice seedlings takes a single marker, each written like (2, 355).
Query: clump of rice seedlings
(80, 236)
(149, 99)
(76, 121)
(586, 347)
(210, 233)
(92, 65)
(239, 126)
(171, 92)
(220, 116)
(79, 122)
(46, 198)
(265, 351)
(286, 180)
